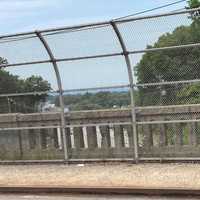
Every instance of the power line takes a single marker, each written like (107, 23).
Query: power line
(180, 9)
(82, 29)
(152, 9)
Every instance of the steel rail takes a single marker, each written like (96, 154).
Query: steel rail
(95, 160)
(167, 106)
(102, 88)
(100, 55)
(102, 190)
(59, 83)
(168, 121)
(84, 25)
(132, 96)
(66, 126)
(158, 15)
(64, 91)
(98, 124)
(167, 83)
(89, 57)
(31, 162)
(8, 40)
(5, 41)
(103, 124)
(145, 159)
(163, 159)
(76, 30)
(137, 108)
(99, 23)
(96, 88)
(181, 46)
(25, 63)
(150, 10)
(61, 60)
(28, 128)
(28, 94)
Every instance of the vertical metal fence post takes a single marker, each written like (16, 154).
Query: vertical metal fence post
(130, 75)
(61, 101)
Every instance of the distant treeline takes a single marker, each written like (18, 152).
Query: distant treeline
(100, 100)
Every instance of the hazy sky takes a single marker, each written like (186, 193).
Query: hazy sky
(22, 15)
(25, 15)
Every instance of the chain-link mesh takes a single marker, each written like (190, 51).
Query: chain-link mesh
(102, 87)
(169, 140)
(22, 49)
(155, 32)
(102, 72)
(169, 94)
(83, 42)
(97, 99)
(31, 144)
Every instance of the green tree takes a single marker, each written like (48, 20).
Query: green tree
(99, 100)
(8, 84)
(194, 3)
(35, 84)
(3, 61)
(169, 65)
(13, 84)
(189, 94)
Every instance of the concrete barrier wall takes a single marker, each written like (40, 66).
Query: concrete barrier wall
(102, 141)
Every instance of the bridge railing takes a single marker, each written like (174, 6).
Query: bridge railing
(166, 133)
(159, 120)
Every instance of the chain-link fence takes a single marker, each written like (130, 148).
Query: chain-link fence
(125, 89)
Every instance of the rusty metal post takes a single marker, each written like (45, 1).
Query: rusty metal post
(130, 75)
(61, 100)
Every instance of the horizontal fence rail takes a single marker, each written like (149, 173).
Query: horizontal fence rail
(96, 24)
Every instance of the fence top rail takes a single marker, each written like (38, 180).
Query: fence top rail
(93, 89)
(65, 92)
(96, 24)
(158, 15)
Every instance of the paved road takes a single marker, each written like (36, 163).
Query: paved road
(108, 175)
(30, 197)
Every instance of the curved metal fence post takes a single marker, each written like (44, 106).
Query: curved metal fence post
(130, 75)
(59, 82)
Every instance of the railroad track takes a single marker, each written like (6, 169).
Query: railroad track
(101, 191)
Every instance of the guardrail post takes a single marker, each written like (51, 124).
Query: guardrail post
(130, 75)
(61, 100)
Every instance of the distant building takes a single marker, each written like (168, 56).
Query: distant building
(49, 107)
